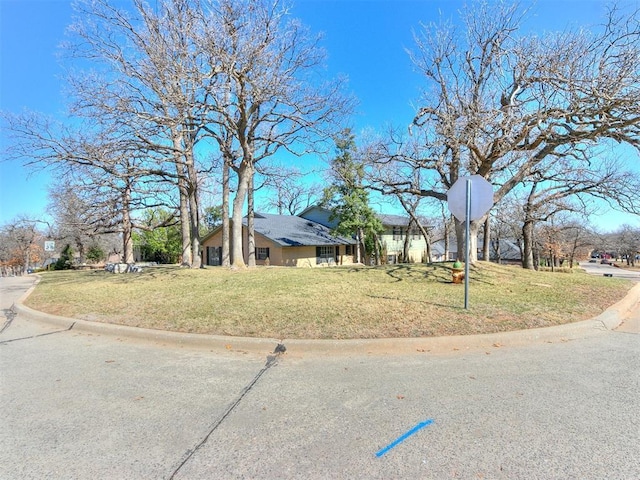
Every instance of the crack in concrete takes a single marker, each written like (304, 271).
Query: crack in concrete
(10, 314)
(271, 361)
(36, 336)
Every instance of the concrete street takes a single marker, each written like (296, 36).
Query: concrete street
(610, 270)
(83, 404)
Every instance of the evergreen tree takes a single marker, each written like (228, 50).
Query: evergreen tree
(348, 198)
(65, 262)
(95, 254)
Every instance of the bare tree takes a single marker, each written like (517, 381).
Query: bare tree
(21, 245)
(393, 168)
(506, 220)
(498, 105)
(265, 95)
(579, 240)
(102, 167)
(563, 239)
(151, 83)
(558, 184)
(75, 218)
(287, 192)
(167, 76)
(627, 241)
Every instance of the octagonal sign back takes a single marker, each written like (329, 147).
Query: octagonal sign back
(481, 198)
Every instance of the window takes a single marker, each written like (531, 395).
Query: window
(397, 233)
(348, 250)
(324, 254)
(262, 253)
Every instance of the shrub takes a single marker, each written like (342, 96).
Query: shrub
(95, 254)
(65, 262)
(556, 269)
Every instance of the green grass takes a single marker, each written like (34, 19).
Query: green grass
(341, 302)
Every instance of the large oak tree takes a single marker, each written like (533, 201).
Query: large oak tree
(499, 104)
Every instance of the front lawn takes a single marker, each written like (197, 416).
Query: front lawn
(340, 302)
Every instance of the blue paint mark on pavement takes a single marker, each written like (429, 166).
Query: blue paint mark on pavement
(403, 437)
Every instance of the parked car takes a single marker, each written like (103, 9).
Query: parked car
(605, 261)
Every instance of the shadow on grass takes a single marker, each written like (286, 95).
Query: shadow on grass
(168, 272)
(70, 277)
(433, 272)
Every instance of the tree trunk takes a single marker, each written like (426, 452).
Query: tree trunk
(427, 241)
(407, 244)
(528, 261)
(27, 259)
(473, 240)
(185, 230)
(80, 246)
(194, 210)
(251, 243)
(183, 191)
(446, 221)
(359, 241)
(127, 229)
(377, 249)
(486, 241)
(527, 239)
(225, 214)
(194, 224)
(237, 258)
(498, 252)
(447, 248)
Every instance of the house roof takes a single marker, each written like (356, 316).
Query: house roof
(293, 231)
(387, 220)
(393, 220)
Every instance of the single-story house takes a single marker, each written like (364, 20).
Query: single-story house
(504, 250)
(285, 240)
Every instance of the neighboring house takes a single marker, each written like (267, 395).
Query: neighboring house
(395, 235)
(503, 250)
(285, 240)
(437, 252)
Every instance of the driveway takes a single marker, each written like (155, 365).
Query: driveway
(82, 405)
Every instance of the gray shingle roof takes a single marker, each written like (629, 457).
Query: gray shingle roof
(292, 231)
(393, 220)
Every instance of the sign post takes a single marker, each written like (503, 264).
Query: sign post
(469, 198)
(467, 228)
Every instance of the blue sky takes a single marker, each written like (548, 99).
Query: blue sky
(365, 39)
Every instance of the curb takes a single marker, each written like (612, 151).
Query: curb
(180, 339)
(611, 318)
(608, 320)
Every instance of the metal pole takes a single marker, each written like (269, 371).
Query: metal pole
(467, 224)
